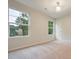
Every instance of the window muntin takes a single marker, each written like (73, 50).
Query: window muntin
(18, 23)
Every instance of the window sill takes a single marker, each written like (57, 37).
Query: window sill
(19, 36)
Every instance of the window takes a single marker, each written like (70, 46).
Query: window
(50, 27)
(18, 23)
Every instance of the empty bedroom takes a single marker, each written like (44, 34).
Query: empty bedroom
(39, 29)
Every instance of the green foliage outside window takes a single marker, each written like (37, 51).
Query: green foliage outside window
(24, 26)
(50, 27)
(21, 23)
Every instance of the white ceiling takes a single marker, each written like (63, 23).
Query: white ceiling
(50, 5)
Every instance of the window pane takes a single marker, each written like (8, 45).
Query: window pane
(25, 30)
(50, 31)
(13, 30)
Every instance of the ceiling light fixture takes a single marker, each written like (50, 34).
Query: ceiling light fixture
(58, 7)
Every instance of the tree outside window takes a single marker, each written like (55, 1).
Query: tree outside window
(18, 23)
(50, 27)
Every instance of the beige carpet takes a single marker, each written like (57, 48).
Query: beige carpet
(52, 50)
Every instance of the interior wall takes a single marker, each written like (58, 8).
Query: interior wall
(63, 28)
(38, 29)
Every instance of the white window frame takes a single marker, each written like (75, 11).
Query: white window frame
(23, 24)
(51, 27)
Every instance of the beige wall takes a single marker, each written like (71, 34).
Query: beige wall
(63, 28)
(38, 29)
